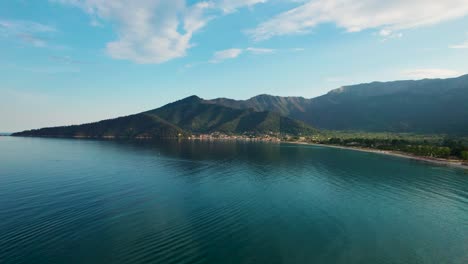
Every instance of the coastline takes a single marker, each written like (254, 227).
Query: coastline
(444, 162)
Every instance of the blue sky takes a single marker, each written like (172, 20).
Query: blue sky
(71, 61)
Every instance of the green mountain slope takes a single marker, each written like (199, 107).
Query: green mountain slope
(283, 105)
(424, 106)
(197, 115)
(189, 115)
(139, 125)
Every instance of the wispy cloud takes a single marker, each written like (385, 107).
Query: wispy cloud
(230, 6)
(154, 31)
(227, 54)
(33, 40)
(389, 16)
(65, 59)
(25, 26)
(430, 73)
(297, 49)
(223, 55)
(259, 51)
(463, 45)
(29, 32)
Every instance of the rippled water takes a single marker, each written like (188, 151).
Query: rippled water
(85, 201)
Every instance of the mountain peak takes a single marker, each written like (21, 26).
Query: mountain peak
(264, 96)
(192, 98)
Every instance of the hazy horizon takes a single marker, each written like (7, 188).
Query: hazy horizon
(211, 98)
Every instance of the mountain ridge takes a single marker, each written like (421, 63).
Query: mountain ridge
(430, 106)
(420, 106)
(180, 118)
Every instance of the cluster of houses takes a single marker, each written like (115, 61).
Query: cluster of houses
(244, 137)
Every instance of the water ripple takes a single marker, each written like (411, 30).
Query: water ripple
(72, 201)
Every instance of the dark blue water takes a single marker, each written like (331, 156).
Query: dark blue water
(85, 201)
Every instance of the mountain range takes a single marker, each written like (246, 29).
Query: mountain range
(182, 118)
(424, 106)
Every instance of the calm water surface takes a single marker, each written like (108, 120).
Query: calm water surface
(85, 201)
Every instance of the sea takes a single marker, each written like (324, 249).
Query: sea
(104, 201)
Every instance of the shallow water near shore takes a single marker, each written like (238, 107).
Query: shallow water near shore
(90, 201)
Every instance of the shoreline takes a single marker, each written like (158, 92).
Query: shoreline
(444, 162)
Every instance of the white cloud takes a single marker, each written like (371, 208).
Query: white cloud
(154, 31)
(259, 51)
(297, 49)
(389, 34)
(385, 32)
(222, 55)
(229, 6)
(463, 45)
(149, 31)
(430, 73)
(353, 16)
(225, 55)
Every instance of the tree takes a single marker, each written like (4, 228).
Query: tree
(456, 146)
(443, 152)
(464, 154)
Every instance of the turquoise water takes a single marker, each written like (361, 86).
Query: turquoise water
(85, 201)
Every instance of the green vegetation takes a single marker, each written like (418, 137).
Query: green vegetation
(436, 106)
(436, 146)
(181, 119)
(199, 116)
(140, 125)
(464, 155)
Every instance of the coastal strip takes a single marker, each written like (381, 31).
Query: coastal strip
(444, 162)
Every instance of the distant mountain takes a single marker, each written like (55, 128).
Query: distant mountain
(283, 105)
(186, 116)
(198, 115)
(423, 106)
(139, 125)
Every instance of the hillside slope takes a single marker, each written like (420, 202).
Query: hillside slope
(423, 106)
(186, 116)
(283, 105)
(139, 125)
(198, 115)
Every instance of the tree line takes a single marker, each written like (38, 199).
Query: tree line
(429, 148)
